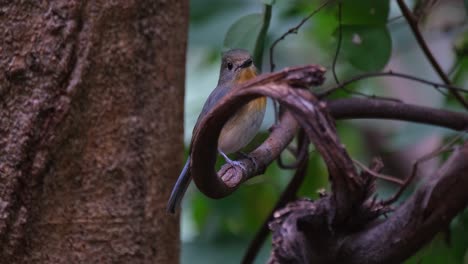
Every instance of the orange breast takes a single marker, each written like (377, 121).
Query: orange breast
(258, 104)
(245, 75)
(244, 124)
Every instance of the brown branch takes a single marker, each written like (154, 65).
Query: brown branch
(379, 175)
(354, 108)
(369, 75)
(338, 46)
(299, 154)
(412, 21)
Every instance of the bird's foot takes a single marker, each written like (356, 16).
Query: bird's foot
(246, 156)
(230, 161)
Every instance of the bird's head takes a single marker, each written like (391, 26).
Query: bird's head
(236, 66)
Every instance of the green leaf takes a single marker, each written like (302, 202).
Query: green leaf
(367, 48)
(365, 12)
(243, 33)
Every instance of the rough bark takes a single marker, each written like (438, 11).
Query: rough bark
(91, 97)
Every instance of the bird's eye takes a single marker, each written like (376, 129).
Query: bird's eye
(229, 65)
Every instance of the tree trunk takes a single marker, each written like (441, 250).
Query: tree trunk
(91, 130)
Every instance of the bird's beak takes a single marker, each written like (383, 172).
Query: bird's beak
(246, 64)
(246, 71)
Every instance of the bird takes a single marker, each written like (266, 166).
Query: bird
(236, 67)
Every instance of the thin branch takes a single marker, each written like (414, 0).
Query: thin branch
(338, 47)
(378, 175)
(393, 19)
(372, 96)
(412, 21)
(359, 108)
(299, 154)
(389, 74)
(454, 67)
(291, 31)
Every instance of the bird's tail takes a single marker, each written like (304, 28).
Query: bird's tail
(179, 188)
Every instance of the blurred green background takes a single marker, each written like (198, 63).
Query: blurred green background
(374, 37)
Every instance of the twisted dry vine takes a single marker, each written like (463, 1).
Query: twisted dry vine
(349, 209)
